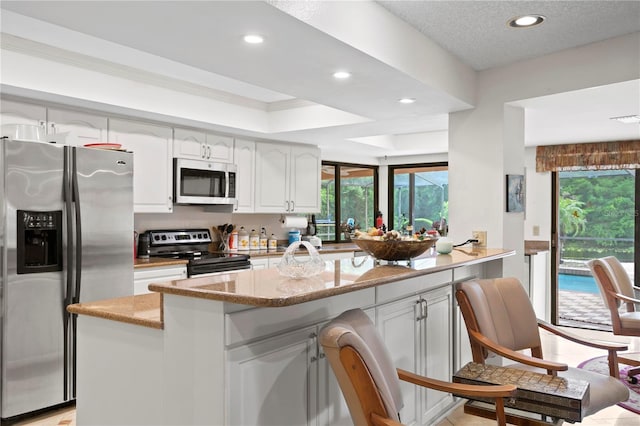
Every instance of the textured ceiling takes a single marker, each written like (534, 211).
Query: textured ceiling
(477, 32)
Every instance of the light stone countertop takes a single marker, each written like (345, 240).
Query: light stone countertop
(143, 309)
(267, 288)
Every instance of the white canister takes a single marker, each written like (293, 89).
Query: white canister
(254, 240)
(273, 243)
(444, 245)
(243, 239)
(264, 240)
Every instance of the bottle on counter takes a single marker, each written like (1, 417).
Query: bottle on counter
(273, 243)
(232, 245)
(254, 240)
(264, 240)
(243, 239)
(294, 236)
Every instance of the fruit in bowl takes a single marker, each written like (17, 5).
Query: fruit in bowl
(392, 245)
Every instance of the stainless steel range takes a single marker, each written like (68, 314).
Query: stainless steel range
(193, 245)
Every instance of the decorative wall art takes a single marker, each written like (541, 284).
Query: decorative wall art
(515, 193)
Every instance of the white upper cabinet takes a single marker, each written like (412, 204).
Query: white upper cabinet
(78, 128)
(196, 145)
(305, 179)
(152, 148)
(219, 148)
(245, 160)
(22, 113)
(287, 178)
(189, 144)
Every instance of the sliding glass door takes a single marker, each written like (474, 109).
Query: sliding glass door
(596, 216)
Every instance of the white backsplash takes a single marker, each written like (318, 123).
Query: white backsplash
(196, 217)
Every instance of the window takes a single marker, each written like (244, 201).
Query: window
(418, 196)
(349, 199)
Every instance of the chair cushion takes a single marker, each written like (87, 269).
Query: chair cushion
(503, 311)
(630, 319)
(604, 391)
(620, 277)
(354, 328)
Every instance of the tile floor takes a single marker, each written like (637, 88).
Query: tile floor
(576, 308)
(554, 349)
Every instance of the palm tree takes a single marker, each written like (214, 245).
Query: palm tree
(571, 217)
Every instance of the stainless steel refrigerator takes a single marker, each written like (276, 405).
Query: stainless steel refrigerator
(67, 237)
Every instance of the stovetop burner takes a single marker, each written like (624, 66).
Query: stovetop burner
(193, 245)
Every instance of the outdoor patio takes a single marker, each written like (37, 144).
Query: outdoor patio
(582, 309)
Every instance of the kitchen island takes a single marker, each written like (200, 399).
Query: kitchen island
(241, 348)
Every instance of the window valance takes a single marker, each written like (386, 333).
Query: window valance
(588, 156)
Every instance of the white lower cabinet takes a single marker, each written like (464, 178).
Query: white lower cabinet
(417, 331)
(145, 276)
(259, 263)
(265, 376)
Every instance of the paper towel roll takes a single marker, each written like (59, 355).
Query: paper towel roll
(298, 222)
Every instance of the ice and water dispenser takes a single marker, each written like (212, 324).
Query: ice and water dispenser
(39, 241)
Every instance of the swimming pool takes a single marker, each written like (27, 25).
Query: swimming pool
(583, 283)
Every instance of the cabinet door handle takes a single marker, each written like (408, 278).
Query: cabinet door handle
(425, 308)
(287, 208)
(208, 151)
(203, 151)
(418, 310)
(293, 205)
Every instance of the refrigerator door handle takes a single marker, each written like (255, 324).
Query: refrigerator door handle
(78, 264)
(68, 202)
(78, 228)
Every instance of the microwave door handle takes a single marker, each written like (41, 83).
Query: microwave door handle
(226, 184)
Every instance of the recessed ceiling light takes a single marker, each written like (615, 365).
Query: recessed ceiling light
(341, 75)
(627, 119)
(526, 21)
(253, 39)
(406, 100)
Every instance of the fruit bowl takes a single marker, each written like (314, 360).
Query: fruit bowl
(395, 249)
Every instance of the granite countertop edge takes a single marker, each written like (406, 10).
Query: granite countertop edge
(146, 310)
(273, 302)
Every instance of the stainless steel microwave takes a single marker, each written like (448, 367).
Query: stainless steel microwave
(204, 182)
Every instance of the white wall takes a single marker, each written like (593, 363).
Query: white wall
(538, 196)
(198, 217)
(479, 139)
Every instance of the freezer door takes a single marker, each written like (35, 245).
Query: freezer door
(32, 304)
(105, 199)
